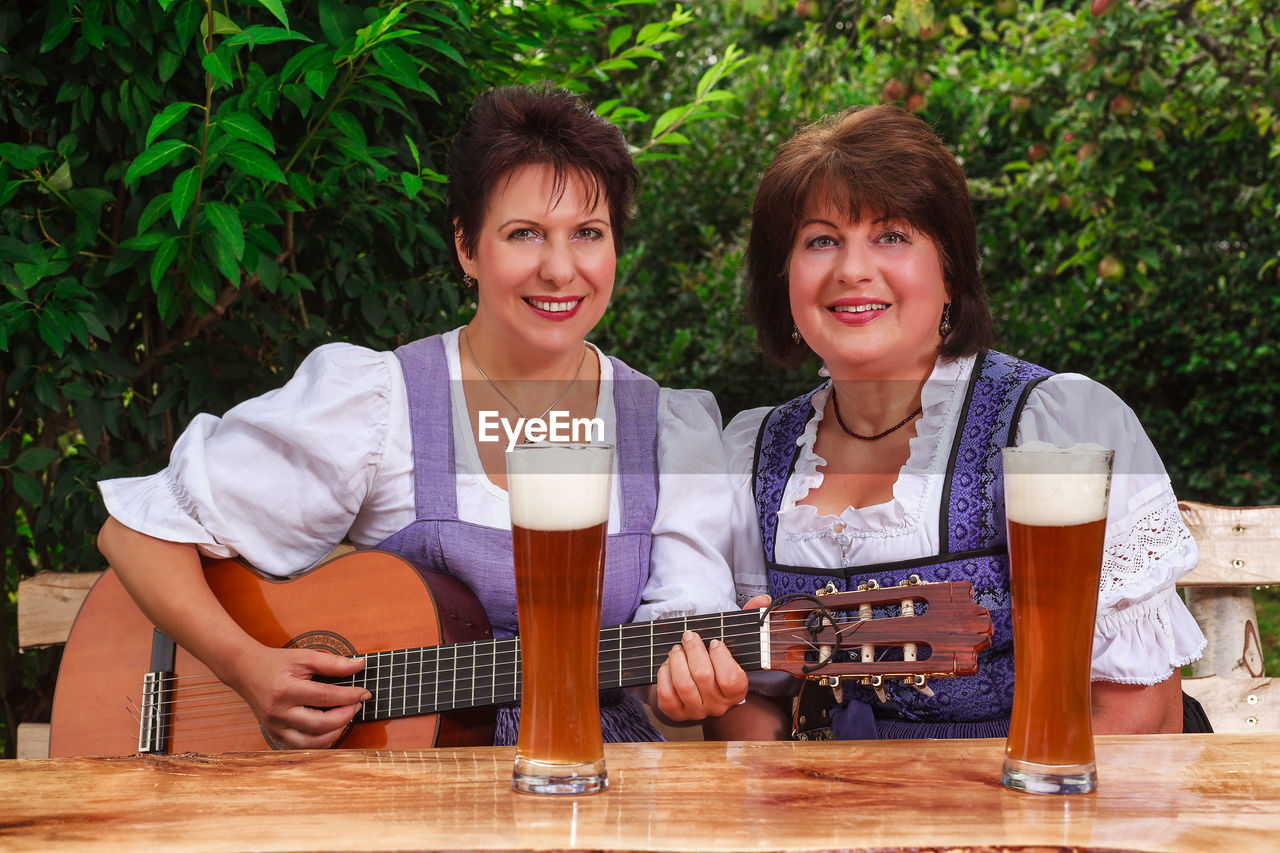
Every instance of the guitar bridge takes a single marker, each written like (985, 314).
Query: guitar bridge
(157, 696)
(153, 728)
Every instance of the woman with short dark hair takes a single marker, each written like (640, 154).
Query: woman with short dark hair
(402, 451)
(863, 253)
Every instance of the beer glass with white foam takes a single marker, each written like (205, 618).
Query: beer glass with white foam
(1056, 507)
(559, 518)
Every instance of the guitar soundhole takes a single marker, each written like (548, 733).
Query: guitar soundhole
(325, 641)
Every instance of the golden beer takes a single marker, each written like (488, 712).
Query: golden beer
(559, 611)
(1056, 507)
(1053, 615)
(559, 519)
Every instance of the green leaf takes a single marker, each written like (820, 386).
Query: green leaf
(167, 64)
(223, 256)
(276, 8)
(145, 242)
(35, 458)
(654, 33)
(257, 35)
(14, 251)
(155, 157)
(303, 188)
(52, 331)
(160, 264)
(397, 65)
(315, 56)
(618, 38)
(242, 125)
(252, 160)
(187, 21)
(28, 488)
(259, 213)
(217, 66)
(200, 279)
(166, 119)
(445, 48)
(60, 180)
(184, 192)
(412, 184)
(222, 25)
(615, 64)
(348, 126)
(226, 221)
(320, 79)
(669, 118)
(153, 211)
(94, 324)
(18, 156)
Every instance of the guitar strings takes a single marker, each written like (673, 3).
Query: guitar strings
(205, 698)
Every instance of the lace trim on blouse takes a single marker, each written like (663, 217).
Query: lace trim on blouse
(1157, 534)
(940, 399)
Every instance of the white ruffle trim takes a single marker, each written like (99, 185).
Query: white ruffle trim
(1144, 643)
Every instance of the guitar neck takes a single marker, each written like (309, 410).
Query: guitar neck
(435, 679)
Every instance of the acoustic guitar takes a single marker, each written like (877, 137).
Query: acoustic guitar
(434, 671)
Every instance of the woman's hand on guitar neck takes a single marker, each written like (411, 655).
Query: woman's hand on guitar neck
(699, 680)
(296, 710)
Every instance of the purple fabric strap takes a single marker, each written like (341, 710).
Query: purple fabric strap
(973, 548)
(481, 557)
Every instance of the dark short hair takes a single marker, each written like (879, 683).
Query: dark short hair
(514, 126)
(878, 161)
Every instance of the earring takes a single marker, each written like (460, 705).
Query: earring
(944, 328)
(468, 281)
(795, 334)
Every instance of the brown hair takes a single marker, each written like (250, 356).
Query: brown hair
(514, 126)
(878, 161)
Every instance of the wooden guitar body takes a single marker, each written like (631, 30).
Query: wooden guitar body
(363, 602)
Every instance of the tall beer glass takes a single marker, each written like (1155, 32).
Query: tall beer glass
(1056, 506)
(559, 514)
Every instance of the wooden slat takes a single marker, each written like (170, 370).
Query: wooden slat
(48, 604)
(33, 740)
(1239, 546)
(1238, 705)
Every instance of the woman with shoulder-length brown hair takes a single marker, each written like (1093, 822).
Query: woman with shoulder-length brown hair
(863, 253)
(401, 451)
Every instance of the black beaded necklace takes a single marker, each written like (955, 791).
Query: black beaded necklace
(835, 402)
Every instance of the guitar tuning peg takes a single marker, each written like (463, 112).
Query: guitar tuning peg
(919, 683)
(875, 682)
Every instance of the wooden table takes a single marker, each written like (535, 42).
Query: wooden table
(1190, 793)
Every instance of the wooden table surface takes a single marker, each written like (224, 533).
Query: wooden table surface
(1190, 793)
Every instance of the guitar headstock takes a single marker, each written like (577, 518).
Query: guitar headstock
(877, 632)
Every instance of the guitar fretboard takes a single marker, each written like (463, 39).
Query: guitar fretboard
(435, 679)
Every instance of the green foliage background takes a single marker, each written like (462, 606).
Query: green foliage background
(196, 194)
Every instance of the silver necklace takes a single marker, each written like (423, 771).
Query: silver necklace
(510, 402)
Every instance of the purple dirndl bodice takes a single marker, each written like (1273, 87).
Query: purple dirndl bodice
(973, 548)
(481, 557)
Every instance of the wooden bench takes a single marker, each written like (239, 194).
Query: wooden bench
(1239, 550)
(47, 606)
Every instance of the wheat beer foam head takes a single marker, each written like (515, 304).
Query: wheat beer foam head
(559, 486)
(1049, 486)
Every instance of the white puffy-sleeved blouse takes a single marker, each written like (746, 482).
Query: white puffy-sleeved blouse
(1143, 628)
(282, 478)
